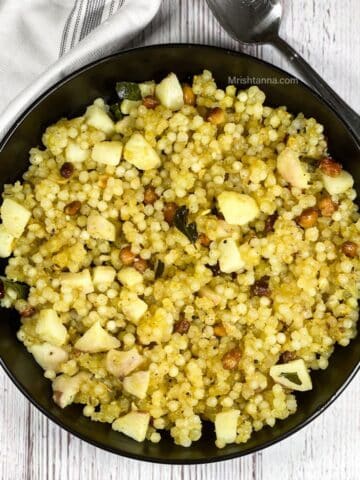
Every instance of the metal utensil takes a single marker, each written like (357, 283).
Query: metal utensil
(258, 21)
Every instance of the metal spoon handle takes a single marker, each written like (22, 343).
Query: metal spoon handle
(351, 118)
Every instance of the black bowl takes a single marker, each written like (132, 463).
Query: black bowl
(69, 98)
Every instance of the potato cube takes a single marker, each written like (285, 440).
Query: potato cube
(49, 357)
(290, 168)
(129, 277)
(65, 388)
(121, 364)
(81, 281)
(137, 384)
(140, 153)
(98, 118)
(230, 259)
(133, 424)
(170, 93)
(107, 153)
(74, 153)
(6, 242)
(155, 328)
(103, 275)
(339, 184)
(96, 339)
(50, 328)
(101, 228)
(226, 426)
(293, 375)
(237, 208)
(15, 217)
(133, 307)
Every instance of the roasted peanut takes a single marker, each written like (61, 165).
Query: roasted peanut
(216, 116)
(219, 330)
(127, 256)
(327, 206)
(231, 359)
(287, 356)
(330, 167)
(261, 287)
(349, 249)
(189, 96)
(72, 208)
(182, 326)
(66, 170)
(204, 240)
(150, 196)
(308, 217)
(150, 102)
(140, 264)
(270, 222)
(28, 311)
(169, 212)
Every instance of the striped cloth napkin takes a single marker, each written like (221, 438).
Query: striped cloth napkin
(44, 40)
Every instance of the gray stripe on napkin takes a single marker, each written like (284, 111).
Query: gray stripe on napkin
(93, 16)
(112, 7)
(67, 28)
(77, 23)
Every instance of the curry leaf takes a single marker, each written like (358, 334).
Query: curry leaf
(159, 270)
(293, 377)
(20, 289)
(115, 111)
(181, 223)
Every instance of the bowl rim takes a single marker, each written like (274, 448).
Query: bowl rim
(142, 457)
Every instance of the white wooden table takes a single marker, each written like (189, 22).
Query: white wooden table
(33, 448)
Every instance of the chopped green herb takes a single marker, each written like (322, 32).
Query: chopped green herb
(115, 111)
(159, 270)
(180, 222)
(292, 377)
(20, 289)
(128, 91)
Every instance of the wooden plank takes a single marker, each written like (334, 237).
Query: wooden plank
(32, 448)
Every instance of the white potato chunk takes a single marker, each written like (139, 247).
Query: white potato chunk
(96, 339)
(48, 356)
(140, 153)
(15, 217)
(230, 259)
(129, 277)
(210, 293)
(127, 105)
(49, 327)
(137, 384)
(170, 93)
(74, 153)
(293, 375)
(147, 88)
(156, 328)
(98, 118)
(133, 424)
(81, 280)
(107, 153)
(226, 426)
(290, 168)
(339, 184)
(133, 307)
(237, 208)
(65, 388)
(6, 242)
(120, 363)
(101, 228)
(103, 275)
